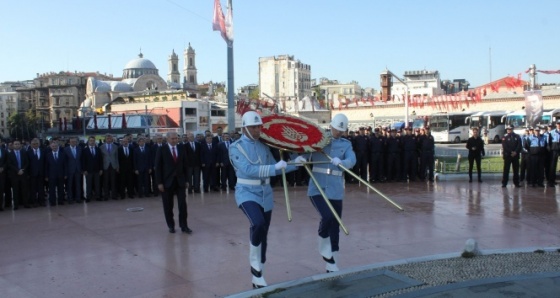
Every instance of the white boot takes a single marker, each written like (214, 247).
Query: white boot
(256, 266)
(325, 250)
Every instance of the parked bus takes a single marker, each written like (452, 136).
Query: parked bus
(490, 124)
(517, 119)
(450, 127)
(420, 122)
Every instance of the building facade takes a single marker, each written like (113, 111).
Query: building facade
(420, 83)
(284, 78)
(8, 105)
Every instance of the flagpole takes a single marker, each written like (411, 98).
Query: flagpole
(230, 94)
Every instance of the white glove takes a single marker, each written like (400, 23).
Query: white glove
(336, 161)
(280, 165)
(300, 160)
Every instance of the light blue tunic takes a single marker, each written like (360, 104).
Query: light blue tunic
(332, 185)
(253, 160)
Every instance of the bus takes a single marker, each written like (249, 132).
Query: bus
(420, 122)
(450, 127)
(517, 119)
(489, 123)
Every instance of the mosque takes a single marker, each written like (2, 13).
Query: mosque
(141, 81)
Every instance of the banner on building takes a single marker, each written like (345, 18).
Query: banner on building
(533, 107)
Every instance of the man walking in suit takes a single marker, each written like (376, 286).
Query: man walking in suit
(142, 167)
(18, 167)
(55, 172)
(170, 165)
(126, 170)
(209, 160)
(73, 171)
(228, 172)
(92, 167)
(109, 151)
(36, 174)
(193, 149)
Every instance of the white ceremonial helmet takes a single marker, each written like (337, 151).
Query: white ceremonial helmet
(340, 122)
(251, 118)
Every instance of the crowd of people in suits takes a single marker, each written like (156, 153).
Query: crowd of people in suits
(67, 171)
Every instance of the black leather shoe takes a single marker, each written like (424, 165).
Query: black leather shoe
(186, 230)
(470, 180)
(171, 230)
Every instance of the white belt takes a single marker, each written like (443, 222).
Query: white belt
(327, 171)
(253, 181)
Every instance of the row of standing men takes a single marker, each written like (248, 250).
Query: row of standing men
(60, 171)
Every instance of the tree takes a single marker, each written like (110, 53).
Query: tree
(23, 125)
(255, 93)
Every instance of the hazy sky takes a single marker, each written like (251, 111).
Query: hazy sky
(342, 40)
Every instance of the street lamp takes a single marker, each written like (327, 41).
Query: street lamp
(85, 111)
(405, 97)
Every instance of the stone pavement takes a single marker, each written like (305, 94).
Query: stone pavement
(100, 249)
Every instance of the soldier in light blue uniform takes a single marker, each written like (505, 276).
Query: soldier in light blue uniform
(331, 179)
(254, 165)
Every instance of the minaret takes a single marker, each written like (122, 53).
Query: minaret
(190, 80)
(173, 76)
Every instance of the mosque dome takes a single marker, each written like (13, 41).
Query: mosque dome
(138, 67)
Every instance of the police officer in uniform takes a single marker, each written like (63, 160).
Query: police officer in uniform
(254, 165)
(537, 150)
(511, 148)
(410, 152)
(393, 156)
(377, 149)
(427, 149)
(554, 148)
(360, 145)
(524, 164)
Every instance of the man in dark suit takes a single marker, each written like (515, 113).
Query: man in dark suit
(156, 144)
(18, 168)
(92, 167)
(73, 171)
(193, 149)
(170, 165)
(228, 173)
(209, 163)
(142, 167)
(216, 140)
(55, 173)
(7, 181)
(110, 167)
(36, 174)
(3, 169)
(126, 170)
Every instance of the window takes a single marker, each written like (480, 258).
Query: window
(190, 111)
(221, 113)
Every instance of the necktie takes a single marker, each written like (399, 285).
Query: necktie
(126, 151)
(142, 149)
(109, 148)
(92, 151)
(18, 159)
(209, 146)
(174, 154)
(227, 145)
(35, 150)
(192, 145)
(55, 156)
(74, 151)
